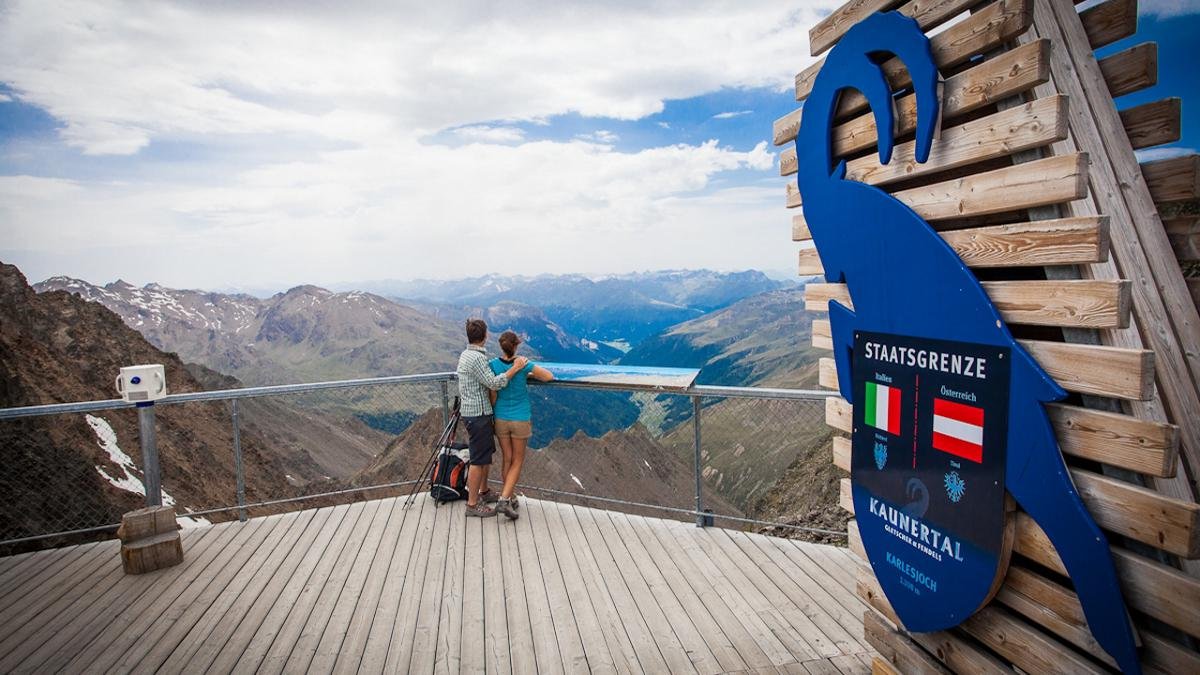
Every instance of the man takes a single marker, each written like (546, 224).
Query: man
(475, 377)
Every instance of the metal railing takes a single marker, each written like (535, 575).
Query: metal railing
(659, 411)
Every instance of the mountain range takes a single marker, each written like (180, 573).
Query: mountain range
(619, 309)
(78, 470)
(308, 333)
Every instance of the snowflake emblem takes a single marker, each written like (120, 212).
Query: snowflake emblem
(955, 486)
(880, 455)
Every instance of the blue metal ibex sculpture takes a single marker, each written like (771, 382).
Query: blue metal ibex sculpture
(905, 280)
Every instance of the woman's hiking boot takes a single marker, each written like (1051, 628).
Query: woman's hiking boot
(480, 511)
(508, 507)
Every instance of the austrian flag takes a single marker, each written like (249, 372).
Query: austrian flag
(958, 429)
(882, 407)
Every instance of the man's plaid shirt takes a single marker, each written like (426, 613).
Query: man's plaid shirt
(475, 377)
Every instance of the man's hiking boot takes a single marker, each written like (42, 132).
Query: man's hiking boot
(480, 511)
(508, 507)
(489, 497)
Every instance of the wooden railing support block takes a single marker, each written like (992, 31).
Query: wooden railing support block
(150, 540)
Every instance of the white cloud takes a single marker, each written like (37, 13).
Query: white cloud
(1152, 154)
(367, 213)
(482, 133)
(1165, 9)
(120, 78)
(349, 93)
(5, 98)
(664, 125)
(732, 114)
(602, 136)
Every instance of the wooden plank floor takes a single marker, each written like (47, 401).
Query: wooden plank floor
(375, 587)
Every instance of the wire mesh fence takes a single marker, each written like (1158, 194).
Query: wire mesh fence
(236, 455)
(67, 473)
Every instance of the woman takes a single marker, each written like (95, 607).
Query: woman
(513, 418)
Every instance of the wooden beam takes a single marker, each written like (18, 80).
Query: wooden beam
(1048, 181)
(827, 377)
(841, 450)
(1186, 247)
(1109, 21)
(1149, 586)
(1077, 303)
(1032, 125)
(1052, 607)
(845, 495)
(979, 33)
(1026, 647)
(1112, 438)
(827, 31)
(1167, 319)
(854, 541)
(1173, 179)
(839, 414)
(1131, 70)
(1153, 123)
(1042, 242)
(1181, 225)
(800, 231)
(867, 586)
(1168, 657)
(997, 78)
(809, 263)
(1118, 440)
(958, 655)
(1000, 631)
(1053, 180)
(1172, 525)
(881, 666)
(1088, 369)
(927, 14)
(1184, 235)
(895, 648)
(1092, 369)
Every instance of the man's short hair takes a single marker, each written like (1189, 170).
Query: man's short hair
(476, 330)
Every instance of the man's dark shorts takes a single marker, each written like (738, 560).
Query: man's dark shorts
(481, 439)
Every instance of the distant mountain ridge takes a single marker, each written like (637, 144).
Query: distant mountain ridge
(74, 470)
(762, 340)
(629, 307)
(310, 334)
(305, 334)
(543, 338)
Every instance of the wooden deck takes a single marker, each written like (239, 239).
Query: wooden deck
(375, 587)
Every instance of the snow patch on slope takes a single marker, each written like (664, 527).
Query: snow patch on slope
(129, 482)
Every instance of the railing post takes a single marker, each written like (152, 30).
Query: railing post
(150, 469)
(445, 403)
(239, 468)
(700, 519)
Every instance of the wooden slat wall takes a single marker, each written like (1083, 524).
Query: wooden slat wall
(1021, 82)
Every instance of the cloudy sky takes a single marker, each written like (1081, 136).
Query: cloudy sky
(265, 144)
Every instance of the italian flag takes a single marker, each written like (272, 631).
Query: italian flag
(958, 429)
(882, 407)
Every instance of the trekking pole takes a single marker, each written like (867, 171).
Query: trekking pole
(429, 464)
(445, 438)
